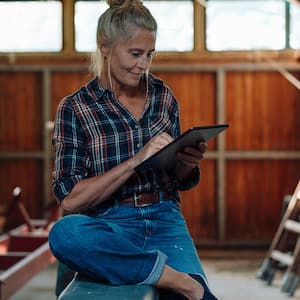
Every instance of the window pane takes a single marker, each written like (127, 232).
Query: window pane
(86, 19)
(174, 34)
(175, 24)
(245, 25)
(295, 27)
(30, 26)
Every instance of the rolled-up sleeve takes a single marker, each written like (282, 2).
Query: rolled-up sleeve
(68, 143)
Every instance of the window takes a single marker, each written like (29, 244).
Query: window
(30, 26)
(175, 24)
(295, 26)
(193, 27)
(86, 18)
(175, 30)
(252, 25)
(245, 25)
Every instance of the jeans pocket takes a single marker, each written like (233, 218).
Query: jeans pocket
(173, 205)
(101, 211)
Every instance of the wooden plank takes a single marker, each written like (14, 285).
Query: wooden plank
(20, 273)
(10, 258)
(26, 243)
(64, 83)
(255, 191)
(257, 106)
(199, 205)
(21, 106)
(284, 258)
(292, 226)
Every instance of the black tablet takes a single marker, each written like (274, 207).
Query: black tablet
(166, 157)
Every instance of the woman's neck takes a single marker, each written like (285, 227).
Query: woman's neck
(122, 91)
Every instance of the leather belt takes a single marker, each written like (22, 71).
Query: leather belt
(145, 199)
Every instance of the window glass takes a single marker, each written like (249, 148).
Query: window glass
(175, 24)
(86, 19)
(245, 25)
(175, 33)
(295, 27)
(30, 26)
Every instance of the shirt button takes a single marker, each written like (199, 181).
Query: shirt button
(138, 145)
(136, 126)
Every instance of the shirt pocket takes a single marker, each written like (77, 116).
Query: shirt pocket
(161, 124)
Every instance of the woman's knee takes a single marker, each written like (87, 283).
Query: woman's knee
(64, 234)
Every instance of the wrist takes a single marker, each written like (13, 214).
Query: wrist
(184, 170)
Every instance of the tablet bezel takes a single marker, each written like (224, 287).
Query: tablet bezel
(165, 158)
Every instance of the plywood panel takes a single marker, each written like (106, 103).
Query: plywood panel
(261, 107)
(20, 111)
(255, 191)
(64, 84)
(199, 204)
(263, 112)
(27, 174)
(196, 96)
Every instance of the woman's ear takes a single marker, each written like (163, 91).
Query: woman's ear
(104, 49)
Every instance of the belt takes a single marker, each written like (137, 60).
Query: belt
(145, 199)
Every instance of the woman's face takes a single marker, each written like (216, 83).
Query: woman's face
(130, 58)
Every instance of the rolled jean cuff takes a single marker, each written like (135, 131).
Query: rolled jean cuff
(157, 270)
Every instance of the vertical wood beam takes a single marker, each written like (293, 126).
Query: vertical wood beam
(46, 136)
(199, 27)
(221, 160)
(68, 26)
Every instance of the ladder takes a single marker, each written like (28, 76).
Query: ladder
(284, 252)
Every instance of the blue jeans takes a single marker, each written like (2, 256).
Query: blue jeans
(126, 244)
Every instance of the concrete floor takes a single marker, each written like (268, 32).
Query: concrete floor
(230, 279)
(235, 280)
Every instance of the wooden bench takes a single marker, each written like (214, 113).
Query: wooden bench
(82, 288)
(24, 251)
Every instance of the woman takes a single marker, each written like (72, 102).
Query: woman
(120, 218)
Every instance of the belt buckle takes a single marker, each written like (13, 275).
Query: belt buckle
(135, 201)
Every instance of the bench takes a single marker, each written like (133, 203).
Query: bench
(82, 288)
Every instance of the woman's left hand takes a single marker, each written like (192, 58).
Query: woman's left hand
(191, 156)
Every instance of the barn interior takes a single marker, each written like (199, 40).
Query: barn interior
(227, 62)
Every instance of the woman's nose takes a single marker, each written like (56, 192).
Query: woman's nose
(143, 62)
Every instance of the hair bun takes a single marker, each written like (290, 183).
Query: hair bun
(115, 3)
(118, 3)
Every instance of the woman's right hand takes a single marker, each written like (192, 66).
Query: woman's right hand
(92, 191)
(155, 144)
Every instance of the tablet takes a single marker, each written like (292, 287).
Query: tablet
(165, 158)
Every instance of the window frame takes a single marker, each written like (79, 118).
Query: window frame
(200, 55)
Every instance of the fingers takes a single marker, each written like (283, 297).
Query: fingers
(202, 147)
(191, 156)
(155, 144)
(161, 141)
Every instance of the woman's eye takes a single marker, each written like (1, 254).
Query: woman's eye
(135, 54)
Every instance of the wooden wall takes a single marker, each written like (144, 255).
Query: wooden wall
(247, 170)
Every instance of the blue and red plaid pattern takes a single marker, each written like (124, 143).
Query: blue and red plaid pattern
(94, 132)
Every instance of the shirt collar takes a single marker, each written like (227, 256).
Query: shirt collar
(97, 91)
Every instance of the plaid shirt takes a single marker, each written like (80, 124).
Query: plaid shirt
(94, 133)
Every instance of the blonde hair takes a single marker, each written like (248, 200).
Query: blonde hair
(116, 23)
